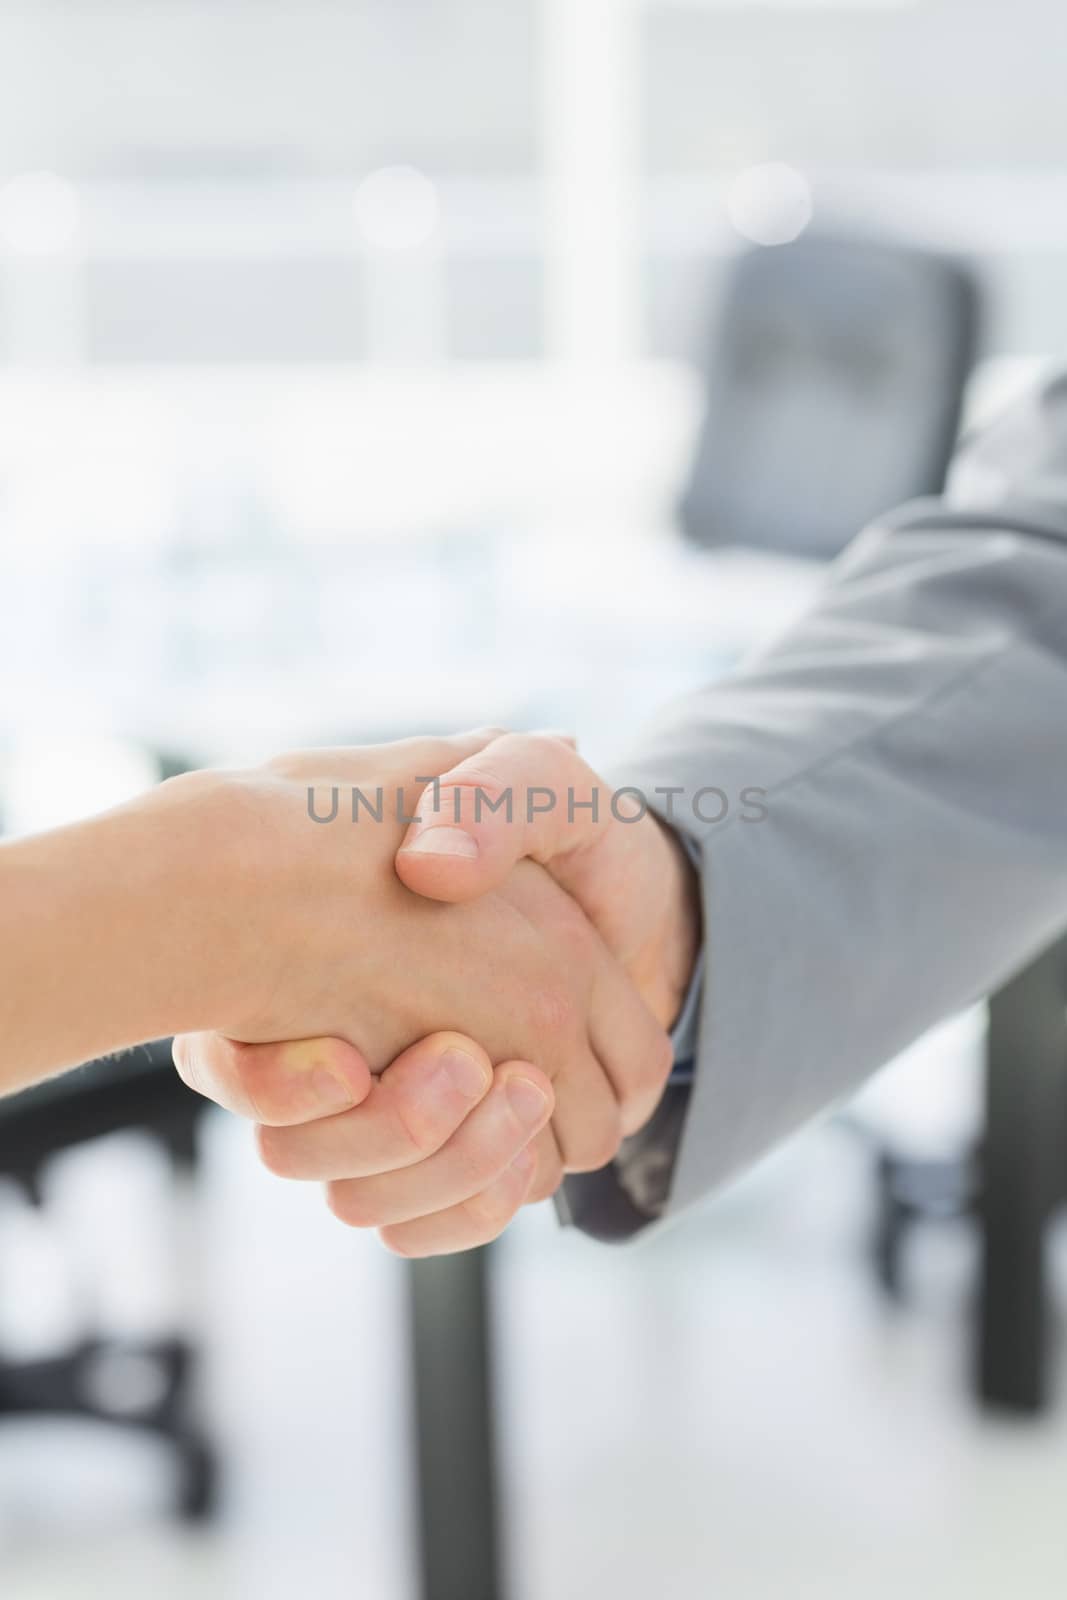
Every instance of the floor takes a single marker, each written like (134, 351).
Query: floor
(729, 1411)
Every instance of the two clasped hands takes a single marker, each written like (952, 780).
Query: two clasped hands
(474, 1004)
(436, 1018)
(476, 987)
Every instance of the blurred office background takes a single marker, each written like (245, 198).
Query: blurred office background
(353, 357)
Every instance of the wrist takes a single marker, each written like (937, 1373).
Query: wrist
(89, 956)
(204, 860)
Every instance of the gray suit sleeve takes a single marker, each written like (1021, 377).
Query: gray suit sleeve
(908, 742)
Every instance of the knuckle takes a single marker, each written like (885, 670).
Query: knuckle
(543, 746)
(293, 763)
(480, 795)
(554, 754)
(481, 738)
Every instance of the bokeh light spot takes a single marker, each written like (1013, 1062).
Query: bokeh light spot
(770, 203)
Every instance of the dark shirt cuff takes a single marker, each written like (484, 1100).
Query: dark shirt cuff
(620, 1200)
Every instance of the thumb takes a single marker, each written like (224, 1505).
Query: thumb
(522, 796)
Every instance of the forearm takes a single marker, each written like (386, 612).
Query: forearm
(98, 944)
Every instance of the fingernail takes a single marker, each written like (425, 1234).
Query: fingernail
(330, 1092)
(443, 842)
(528, 1101)
(466, 1075)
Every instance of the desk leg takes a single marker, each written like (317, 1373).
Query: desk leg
(1025, 1157)
(457, 1500)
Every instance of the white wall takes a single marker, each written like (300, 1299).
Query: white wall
(185, 85)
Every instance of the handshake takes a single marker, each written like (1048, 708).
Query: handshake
(441, 971)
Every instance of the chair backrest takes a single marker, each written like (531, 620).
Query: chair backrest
(834, 390)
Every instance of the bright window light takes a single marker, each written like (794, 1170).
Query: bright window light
(54, 779)
(397, 208)
(40, 215)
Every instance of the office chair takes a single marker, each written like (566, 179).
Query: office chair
(138, 1091)
(1011, 1184)
(833, 391)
